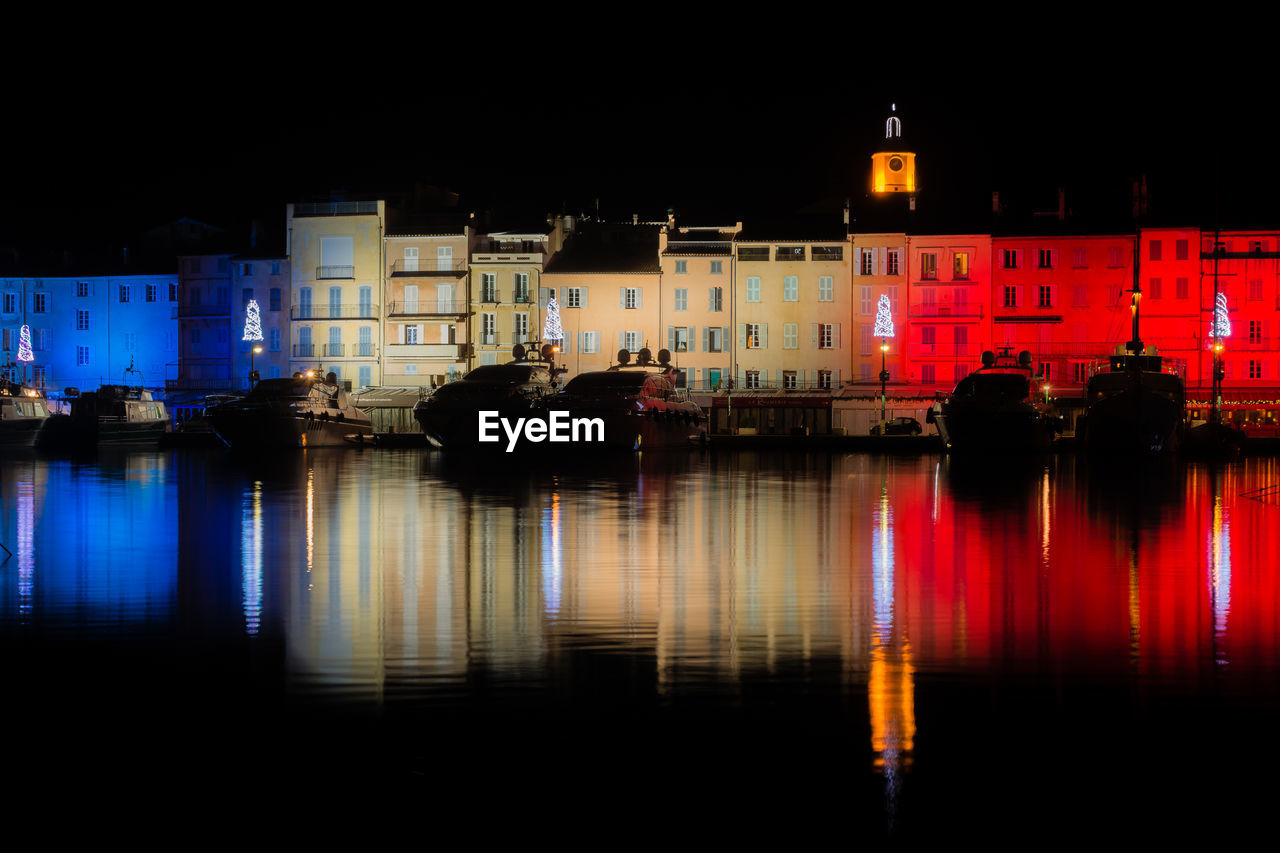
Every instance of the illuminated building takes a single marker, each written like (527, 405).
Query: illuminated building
(879, 266)
(335, 253)
(427, 321)
(506, 286)
(948, 312)
(697, 299)
(893, 170)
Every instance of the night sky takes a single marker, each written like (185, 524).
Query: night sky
(225, 134)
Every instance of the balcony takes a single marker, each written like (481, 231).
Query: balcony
(451, 352)
(335, 272)
(304, 350)
(332, 311)
(937, 350)
(428, 268)
(428, 308)
(336, 208)
(507, 255)
(217, 309)
(333, 350)
(946, 310)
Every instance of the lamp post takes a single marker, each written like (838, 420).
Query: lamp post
(253, 374)
(883, 330)
(884, 377)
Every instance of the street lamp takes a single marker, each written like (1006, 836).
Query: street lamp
(884, 377)
(253, 374)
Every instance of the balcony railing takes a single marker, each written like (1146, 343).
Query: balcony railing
(217, 309)
(507, 255)
(936, 350)
(336, 208)
(940, 309)
(453, 352)
(364, 350)
(333, 350)
(331, 311)
(330, 272)
(304, 350)
(428, 267)
(426, 308)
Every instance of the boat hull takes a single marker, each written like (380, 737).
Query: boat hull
(1136, 421)
(20, 432)
(966, 429)
(249, 429)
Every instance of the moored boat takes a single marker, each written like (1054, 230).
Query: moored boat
(997, 408)
(1134, 406)
(23, 413)
(449, 417)
(301, 411)
(113, 414)
(638, 404)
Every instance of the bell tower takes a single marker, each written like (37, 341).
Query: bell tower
(893, 169)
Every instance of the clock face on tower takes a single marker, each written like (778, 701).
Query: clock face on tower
(895, 164)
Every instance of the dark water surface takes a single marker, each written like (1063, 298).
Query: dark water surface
(759, 646)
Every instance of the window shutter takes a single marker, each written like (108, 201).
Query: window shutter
(622, 340)
(857, 261)
(764, 335)
(835, 335)
(693, 341)
(639, 294)
(738, 379)
(813, 335)
(671, 338)
(580, 341)
(711, 299)
(883, 265)
(835, 379)
(1053, 292)
(706, 338)
(724, 338)
(777, 377)
(400, 334)
(742, 336)
(622, 299)
(563, 298)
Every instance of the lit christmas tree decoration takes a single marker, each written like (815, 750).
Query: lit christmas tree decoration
(551, 330)
(24, 344)
(1221, 325)
(252, 322)
(884, 318)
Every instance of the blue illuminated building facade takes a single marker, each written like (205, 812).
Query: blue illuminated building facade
(88, 331)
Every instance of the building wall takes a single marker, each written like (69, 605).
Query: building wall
(268, 280)
(204, 324)
(504, 257)
(344, 320)
(113, 335)
(426, 326)
(603, 314)
(697, 283)
(1248, 273)
(873, 262)
(954, 303)
(1064, 299)
(776, 352)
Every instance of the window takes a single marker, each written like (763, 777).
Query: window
(1114, 293)
(275, 299)
(1009, 259)
(275, 268)
(124, 293)
(866, 339)
(1046, 296)
(1081, 297)
(520, 327)
(928, 374)
(590, 342)
(1046, 259)
(826, 288)
(173, 291)
(865, 303)
(1079, 372)
(151, 293)
(789, 380)
(681, 339)
(1257, 246)
(960, 265)
(790, 253)
(790, 336)
(488, 287)
(411, 335)
(824, 379)
(753, 253)
(716, 293)
(1046, 370)
(11, 303)
(520, 286)
(409, 370)
(717, 267)
(573, 297)
(1156, 288)
(929, 265)
(631, 340)
(1180, 250)
(1255, 289)
(82, 321)
(828, 253)
(868, 262)
(753, 339)
(488, 326)
(752, 379)
(630, 297)
(1155, 250)
(1181, 288)
(715, 339)
(791, 289)
(1115, 257)
(246, 269)
(39, 302)
(273, 335)
(753, 288)
(1010, 296)
(82, 288)
(892, 292)
(82, 356)
(826, 335)
(1255, 369)
(682, 299)
(891, 263)
(682, 267)
(1255, 331)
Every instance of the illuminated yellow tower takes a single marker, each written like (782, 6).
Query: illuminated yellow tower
(892, 169)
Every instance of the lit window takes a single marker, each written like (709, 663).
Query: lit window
(868, 262)
(891, 262)
(826, 335)
(929, 265)
(753, 339)
(961, 265)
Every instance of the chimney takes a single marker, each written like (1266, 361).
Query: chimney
(635, 219)
(995, 201)
(671, 219)
(1062, 203)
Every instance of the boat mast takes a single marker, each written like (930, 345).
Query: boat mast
(1215, 405)
(1135, 345)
